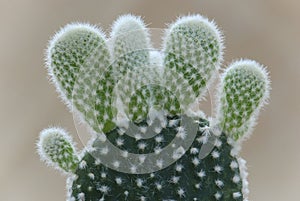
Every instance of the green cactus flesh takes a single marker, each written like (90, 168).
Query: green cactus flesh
(138, 102)
(216, 177)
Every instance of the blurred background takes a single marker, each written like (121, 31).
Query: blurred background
(267, 31)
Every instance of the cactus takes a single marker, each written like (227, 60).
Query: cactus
(149, 141)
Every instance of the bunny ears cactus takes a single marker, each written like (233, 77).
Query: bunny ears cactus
(112, 82)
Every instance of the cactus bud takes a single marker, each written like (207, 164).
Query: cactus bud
(56, 148)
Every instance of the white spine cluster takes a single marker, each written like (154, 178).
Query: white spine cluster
(244, 175)
(129, 34)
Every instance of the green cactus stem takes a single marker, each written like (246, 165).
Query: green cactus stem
(56, 149)
(149, 141)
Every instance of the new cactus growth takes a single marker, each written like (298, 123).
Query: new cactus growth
(149, 141)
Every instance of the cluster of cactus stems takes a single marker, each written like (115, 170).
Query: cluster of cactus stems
(139, 102)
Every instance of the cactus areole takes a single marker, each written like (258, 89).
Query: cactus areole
(149, 140)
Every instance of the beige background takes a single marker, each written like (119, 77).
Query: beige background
(264, 30)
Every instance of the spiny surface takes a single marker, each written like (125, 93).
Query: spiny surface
(128, 37)
(130, 43)
(244, 89)
(56, 148)
(193, 52)
(217, 177)
(78, 63)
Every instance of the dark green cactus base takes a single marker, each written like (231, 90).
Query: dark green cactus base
(186, 179)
